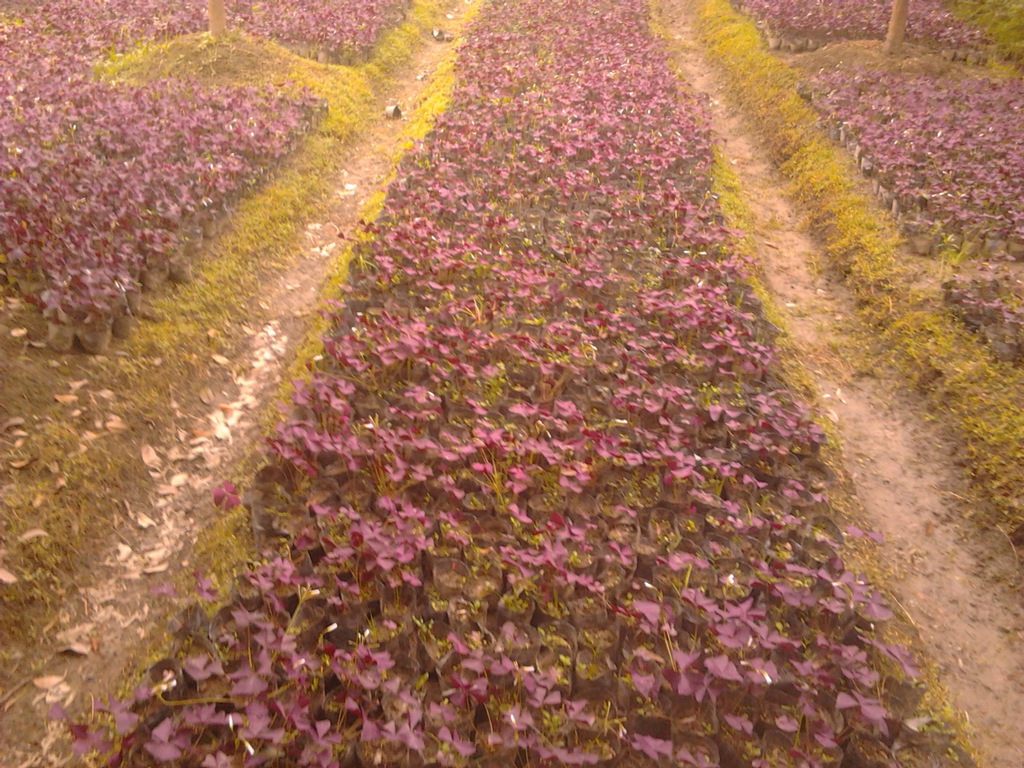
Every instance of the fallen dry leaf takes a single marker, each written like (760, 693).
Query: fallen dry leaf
(20, 463)
(150, 457)
(32, 533)
(179, 479)
(144, 521)
(78, 631)
(76, 385)
(221, 360)
(116, 424)
(68, 398)
(158, 568)
(17, 333)
(163, 489)
(177, 454)
(15, 421)
(46, 682)
(75, 649)
(6, 577)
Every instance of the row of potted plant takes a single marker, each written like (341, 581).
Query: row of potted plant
(542, 499)
(991, 303)
(106, 191)
(943, 152)
(949, 151)
(945, 155)
(928, 21)
(350, 26)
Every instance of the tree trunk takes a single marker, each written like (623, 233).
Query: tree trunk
(218, 18)
(897, 26)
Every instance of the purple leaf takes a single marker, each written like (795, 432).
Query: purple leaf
(846, 701)
(163, 744)
(722, 667)
(740, 723)
(653, 747)
(787, 723)
(225, 496)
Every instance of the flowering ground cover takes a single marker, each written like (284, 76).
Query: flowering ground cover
(541, 499)
(928, 20)
(108, 189)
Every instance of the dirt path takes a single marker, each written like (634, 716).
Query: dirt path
(85, 651)
(961, 592)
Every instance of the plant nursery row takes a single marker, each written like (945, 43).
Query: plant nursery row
(344, 28)
(947, 157)
(929, 22)
(948, 152)
(108, 189)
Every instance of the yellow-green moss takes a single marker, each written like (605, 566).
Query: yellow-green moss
(981, 398)
(162, 359)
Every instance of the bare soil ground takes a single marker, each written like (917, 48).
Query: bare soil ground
(121, 608)
(960, 589)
